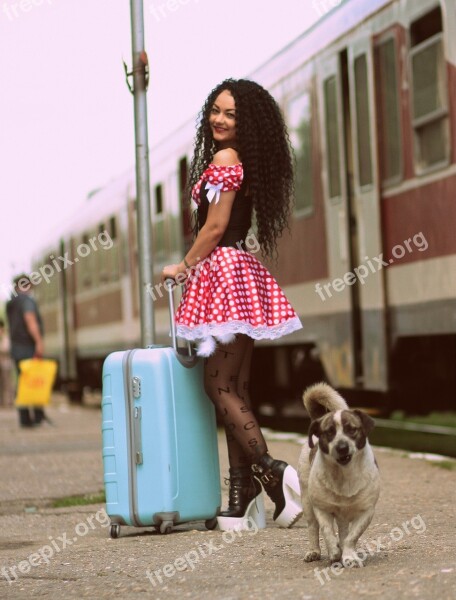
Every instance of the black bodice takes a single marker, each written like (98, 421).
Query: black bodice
(240, 218)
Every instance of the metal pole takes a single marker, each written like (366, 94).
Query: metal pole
(142, 173)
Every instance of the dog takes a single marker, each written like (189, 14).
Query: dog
(339, 476)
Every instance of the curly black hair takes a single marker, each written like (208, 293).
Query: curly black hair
(264, 147)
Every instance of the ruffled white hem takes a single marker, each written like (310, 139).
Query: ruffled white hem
(224, 333)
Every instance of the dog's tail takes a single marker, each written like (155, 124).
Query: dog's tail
(322, 398)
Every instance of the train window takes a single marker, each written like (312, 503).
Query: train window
(183, 173)
(53, 285)
(100, 260)
(85, 264)
(390, 122)
(426, 27)
(300, 129)
(114, 252)
(40, 290)
(429, 82)
(159, 225)
(363, 126)
(186, 224)
(159, 239)
(158, 199)
(433, 144)
(429, 89)
(113, 228)
(332, 136)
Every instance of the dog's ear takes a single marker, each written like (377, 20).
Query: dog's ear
(314, 429)
(367, 421)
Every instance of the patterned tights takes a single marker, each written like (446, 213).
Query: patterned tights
(226, 381)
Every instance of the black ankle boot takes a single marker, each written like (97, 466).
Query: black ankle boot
(245, 505)
(243, 489)
(281, 483)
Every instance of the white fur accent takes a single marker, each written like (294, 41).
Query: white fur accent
(262, 332)
(338, 418)
(225, 338)
(206, 347)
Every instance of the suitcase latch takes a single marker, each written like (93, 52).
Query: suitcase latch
(136, 387)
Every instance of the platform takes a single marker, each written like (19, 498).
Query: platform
(66, 552)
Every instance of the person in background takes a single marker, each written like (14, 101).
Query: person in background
(6, 388)
(26, 337)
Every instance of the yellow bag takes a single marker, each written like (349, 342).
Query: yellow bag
(35, 381)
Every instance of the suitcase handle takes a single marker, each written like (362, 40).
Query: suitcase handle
(169, 285)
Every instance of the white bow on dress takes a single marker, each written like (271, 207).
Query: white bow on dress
(213, 190)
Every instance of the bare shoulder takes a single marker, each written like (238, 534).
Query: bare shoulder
(226, 157)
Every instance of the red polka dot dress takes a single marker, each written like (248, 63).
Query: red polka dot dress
(230, 291)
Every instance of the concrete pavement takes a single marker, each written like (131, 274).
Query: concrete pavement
(66, 552)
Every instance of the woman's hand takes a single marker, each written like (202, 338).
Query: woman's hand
(176, 272)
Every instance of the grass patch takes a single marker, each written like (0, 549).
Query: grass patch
(80, 500)
(449, 465)
(446, 419)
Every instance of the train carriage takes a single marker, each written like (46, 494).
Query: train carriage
(369, 261)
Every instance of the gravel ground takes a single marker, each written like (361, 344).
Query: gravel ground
(67, 552)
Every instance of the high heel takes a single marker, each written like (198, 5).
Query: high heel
(281, 483)
(246, 503)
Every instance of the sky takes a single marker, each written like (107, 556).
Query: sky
(66, 115)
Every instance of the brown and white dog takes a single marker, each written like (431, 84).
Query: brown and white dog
(339, 476)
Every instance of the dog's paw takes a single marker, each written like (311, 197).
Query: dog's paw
(335, 553)
(351, 559)
(312, 555)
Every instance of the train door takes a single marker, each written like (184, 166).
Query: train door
(365, 202)
(340, 347)
(355, 353)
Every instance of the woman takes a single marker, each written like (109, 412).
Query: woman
(242, 163)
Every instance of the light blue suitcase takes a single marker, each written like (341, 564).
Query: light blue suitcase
(160, 452)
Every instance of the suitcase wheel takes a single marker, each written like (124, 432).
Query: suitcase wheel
(114, 530)
(211, 523)
(166, 527)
